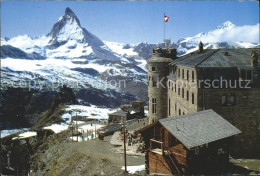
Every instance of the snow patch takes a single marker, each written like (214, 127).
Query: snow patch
(5, 133)
(121, 49)
(57, 128)
(27, 134)
(90, 112)
(134, 169)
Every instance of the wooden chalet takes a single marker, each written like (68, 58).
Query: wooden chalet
(195, 143)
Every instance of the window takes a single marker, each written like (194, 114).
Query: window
(179, 91)
(197, 150)
(224, 100)
(192, 98)
(154, 105)
(153, 68)
(179, 111)
(192, 76)
(183, 113)
(187, 96)
(175, 88)
(243, 74)
(231, 100)
(182, 92)
(182, 73)
(169, 85)
(187, 74)
(249, 75)
(148, 103)
(179, 72)
(154, 83)
(172, 86)
(169, 106)
(175, 108)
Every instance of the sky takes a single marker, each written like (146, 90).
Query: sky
(127, 21)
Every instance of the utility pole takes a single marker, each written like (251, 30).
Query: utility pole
(71, 122)
(77, 132)
(124, 129)
(95, 130)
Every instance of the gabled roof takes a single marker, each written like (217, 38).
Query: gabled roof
(199, 128)
(218, 58)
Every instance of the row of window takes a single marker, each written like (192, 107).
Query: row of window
(169, 108)
(179, 93)
(227, 100)
(187, 74)
(187, 95)
(246, 74)
(182, 75)
(219, 151)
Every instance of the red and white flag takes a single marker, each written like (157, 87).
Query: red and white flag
(166, 18)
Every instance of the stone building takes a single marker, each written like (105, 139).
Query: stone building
(158, 70)
(225, 80)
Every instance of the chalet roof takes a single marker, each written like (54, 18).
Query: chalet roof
(199, 128)
(218, 58)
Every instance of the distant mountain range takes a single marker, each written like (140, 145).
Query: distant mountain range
(72, 55)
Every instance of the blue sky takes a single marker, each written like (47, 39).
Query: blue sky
(127, 22)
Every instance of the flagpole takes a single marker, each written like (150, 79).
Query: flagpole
(163, 27)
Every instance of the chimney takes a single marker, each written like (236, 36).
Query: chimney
(200, 47)
(254, 59)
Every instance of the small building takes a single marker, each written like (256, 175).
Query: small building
(135, 110)
(196, 143)
(116, 117)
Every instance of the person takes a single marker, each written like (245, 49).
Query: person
(129, 140)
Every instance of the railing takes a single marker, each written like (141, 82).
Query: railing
(164, 149)
(158, 142)
(173, 160)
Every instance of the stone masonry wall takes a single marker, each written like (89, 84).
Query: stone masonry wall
(245, 115)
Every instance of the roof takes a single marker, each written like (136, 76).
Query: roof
(224, 58)
(119, 113)
(145, 128)
(199, 128)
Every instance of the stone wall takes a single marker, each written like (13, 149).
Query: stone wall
(245, 115)
(182, 83)
(159, 92)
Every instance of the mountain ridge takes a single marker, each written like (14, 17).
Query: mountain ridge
(70, 53)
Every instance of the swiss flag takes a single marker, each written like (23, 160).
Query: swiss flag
(166, 18)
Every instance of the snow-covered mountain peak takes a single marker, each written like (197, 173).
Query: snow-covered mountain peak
(66, 28)
(226, 25)
(69, 12)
